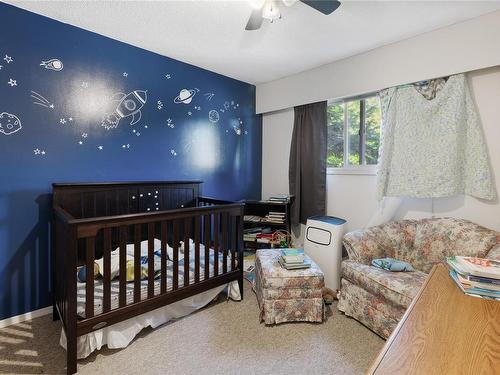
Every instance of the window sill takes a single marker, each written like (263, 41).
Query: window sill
(366, 170)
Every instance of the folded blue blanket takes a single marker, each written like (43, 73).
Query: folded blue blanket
(393, 265)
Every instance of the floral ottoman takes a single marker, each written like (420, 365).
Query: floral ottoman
(287, 296)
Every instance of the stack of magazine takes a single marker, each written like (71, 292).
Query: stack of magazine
(476, 277)
(294, 259)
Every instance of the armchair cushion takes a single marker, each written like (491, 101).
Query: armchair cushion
(365, 245)
(398, 288)
(438, 238)
(382, 241)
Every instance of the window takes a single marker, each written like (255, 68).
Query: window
(353, 132)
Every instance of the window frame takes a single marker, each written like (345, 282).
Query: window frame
(362, 169)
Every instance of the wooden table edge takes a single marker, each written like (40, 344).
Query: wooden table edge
(375, 364)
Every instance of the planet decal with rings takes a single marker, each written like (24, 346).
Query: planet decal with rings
(185, 96)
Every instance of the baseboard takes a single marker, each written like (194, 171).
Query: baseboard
(27, 316)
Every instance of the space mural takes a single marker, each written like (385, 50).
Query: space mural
(125, 106)
(79, 107)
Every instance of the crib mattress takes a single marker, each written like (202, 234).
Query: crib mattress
(115, 285)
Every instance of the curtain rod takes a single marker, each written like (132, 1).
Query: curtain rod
(373, 93)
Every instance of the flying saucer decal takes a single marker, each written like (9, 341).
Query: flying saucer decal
(185, 96)
(9, 123)
(53, 64)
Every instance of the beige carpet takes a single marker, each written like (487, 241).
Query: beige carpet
(223, 338)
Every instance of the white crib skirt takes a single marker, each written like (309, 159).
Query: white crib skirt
(120, 335)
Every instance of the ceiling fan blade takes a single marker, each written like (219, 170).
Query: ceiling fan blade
(323, 6)
(255, 20)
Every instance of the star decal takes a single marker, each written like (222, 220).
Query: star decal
(36, 151)
(12, 82)
(100, 147)
(8, 59)
(62, 121)
(85, 135)
(125, 74)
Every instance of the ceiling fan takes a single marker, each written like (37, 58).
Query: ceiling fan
(269, 9)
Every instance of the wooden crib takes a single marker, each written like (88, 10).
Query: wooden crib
(92, 220)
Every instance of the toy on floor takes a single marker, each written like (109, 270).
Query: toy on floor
(328, 295)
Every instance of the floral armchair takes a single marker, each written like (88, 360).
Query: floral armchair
(379, 298)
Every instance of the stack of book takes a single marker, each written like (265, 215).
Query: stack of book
(294, 259)
(250, 234)
(275, 217)
(281, 198)
(476, 277)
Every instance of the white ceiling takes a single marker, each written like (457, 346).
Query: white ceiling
(211, 34)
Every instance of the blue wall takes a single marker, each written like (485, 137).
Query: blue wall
(68, 102)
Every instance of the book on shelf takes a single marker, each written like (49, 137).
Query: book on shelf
(253, 230)
(280, 198)
(252, 218)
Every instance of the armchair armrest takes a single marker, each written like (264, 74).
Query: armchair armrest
(367, 244)
(494, 253)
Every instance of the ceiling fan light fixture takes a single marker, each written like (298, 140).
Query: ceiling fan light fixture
(271, 12)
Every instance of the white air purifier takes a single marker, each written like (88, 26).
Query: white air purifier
(323, 244)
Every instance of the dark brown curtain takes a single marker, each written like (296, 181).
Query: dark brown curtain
(307, 173)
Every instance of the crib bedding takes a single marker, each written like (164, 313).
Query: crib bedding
(115, 286)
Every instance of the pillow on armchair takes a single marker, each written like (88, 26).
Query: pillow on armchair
(438, 238)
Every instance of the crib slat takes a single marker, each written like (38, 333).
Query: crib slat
(224, 242)
(163, 257)
(89, 292)
(107, 270)
(187, 227)
(137, 262)
(175, 265)
(233, 242)
(151, 260)
(197, 249)
(207, 246)
(216, 243)
(123, 266)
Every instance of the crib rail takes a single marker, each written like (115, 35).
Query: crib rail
(216, 226)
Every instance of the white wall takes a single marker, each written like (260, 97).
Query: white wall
(353, 196)
(463, 47)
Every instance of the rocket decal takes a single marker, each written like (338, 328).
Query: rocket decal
(127, 105)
